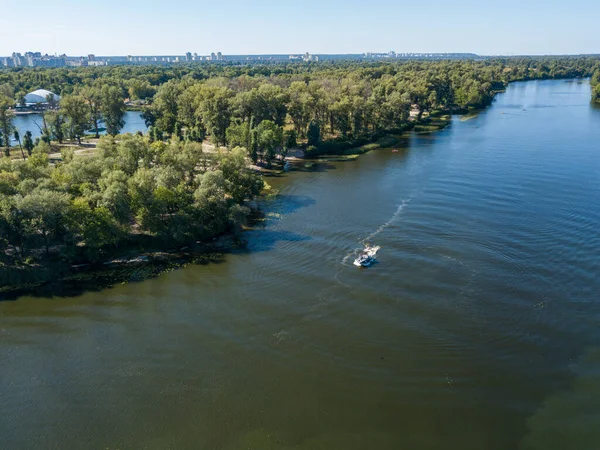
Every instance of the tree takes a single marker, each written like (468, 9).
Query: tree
(267, 102)
(55, 126)
(28, 142)
(298, 106)
(96, 226)
(6, 125)
(113, 109)
(270, 138)
(314, 133)
(18, 139)
(238, 134)
(164, 112)
(45, 212)
(140, 89)
(214, 107)
(76, 110)
(6, 90)
(290, 138)
(596, 94)
(240, 183)
(93, 98)
(253, 150)
(211, 202)
(13, 228)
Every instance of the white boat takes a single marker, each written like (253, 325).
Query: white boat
(367, 257)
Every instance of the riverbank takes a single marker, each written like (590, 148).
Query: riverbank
(434, 122)
(60, 278)
(55, 276)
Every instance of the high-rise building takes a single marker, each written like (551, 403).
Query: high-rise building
(188, 56)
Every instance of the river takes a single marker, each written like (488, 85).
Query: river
(33, 122)
(479, 328)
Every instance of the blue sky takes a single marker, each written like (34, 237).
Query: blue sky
(150, 27)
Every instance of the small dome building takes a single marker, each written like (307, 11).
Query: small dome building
(40, 96)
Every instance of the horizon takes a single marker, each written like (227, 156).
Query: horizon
(283, 54)
(329, 27)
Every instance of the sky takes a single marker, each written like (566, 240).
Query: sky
(158, 27)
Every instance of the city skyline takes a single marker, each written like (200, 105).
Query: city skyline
(37, 59)
(325, 27)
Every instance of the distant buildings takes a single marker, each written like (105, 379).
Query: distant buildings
(31, 59)
(307, 57)
(36, 59)
(392, 54)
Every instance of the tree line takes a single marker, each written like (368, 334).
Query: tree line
(268, 108)
(595, 82)
(335, 103)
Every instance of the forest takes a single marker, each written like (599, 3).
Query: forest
(164, 187)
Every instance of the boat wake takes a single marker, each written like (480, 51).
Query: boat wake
(382, 228)
(378, 231)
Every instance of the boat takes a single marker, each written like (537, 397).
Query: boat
(367, 257)
(395, 150)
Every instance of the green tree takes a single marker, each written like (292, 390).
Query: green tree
(314, 133)
(28, 142)
(55, 125)
(240, 182)
(113, 109)
(215, 109)
(76, 111)
(165, 108)
(93, 98)
(46, 214)
(211, 202)
(140, 89)
(13, 225)
(270, 137)
(18, 139)
(97, 228)
(239, 134)
(253, 151)
(6, 125)
(596, 94)
(290, 138)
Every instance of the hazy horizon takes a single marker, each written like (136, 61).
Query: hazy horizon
(319, 27)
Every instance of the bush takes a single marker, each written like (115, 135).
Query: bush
(67, 154)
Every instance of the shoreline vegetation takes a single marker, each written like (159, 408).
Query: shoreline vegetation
(82, 215)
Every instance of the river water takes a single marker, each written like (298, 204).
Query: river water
(479, 328)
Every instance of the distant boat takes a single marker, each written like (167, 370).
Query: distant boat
(395, 150)
(367, 257)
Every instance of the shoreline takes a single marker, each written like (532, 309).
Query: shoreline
(135, 266)
(130, 266)
(125, 268)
